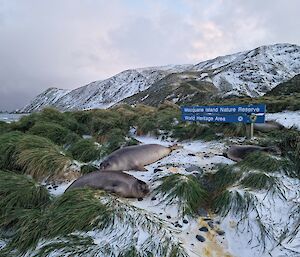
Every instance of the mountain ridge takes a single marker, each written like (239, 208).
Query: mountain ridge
(248, 73)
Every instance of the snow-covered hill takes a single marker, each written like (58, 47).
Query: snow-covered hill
(251, 73)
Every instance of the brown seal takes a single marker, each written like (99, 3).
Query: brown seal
(268, 126)
(116, 182)
(136, 157)
(239, 152)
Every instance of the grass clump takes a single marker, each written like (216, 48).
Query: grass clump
(184, 190)
(259, 181)
(41, 158)
(19, 191)
(56, 133)
(85, 150)
(85, 169)
(4, 127)
(238, 203)
(261, 161)
(225, 177)
(8, 150)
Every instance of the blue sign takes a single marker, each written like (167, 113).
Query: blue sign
(222, 118)
(225, 109)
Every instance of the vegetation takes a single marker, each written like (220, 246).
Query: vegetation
(55, 132)
(85, 150)
(41, 158)
(184, 190)
(8, 150)
(85, 210)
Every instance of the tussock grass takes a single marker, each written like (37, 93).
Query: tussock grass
(78, 210)
(30, 226)
(184, 190)
(86, 210)
(226, 176)
(8, 150)
(85, 169)
(19, 191)
(262, 161)
(72, 245)
(85, 150)
(234, 202)
(259, 181)
(4, 127)
(184, 131)
(55, 132)
(41, 158)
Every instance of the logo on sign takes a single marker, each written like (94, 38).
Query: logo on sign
(240, 118)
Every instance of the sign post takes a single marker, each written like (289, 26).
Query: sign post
(248, 114)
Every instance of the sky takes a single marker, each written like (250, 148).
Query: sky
(69, 43)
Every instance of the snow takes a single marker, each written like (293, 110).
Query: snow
(287, 118)
(251, 73)
(241, 239)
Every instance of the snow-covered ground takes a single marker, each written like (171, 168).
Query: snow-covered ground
(240, 239)
(286, 118)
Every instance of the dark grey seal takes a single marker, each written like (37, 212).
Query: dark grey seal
(136, 157)
(268, 126)
(239, 152)
(116, 182)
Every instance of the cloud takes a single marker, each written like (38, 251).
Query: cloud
(68, 43)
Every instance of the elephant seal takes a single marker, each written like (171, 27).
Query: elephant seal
(268, 126)
(116, 182)
(136, 157)
(239, 152)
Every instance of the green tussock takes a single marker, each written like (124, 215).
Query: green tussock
(261, 161)
(85, 150)
(41, 158)
(85, 169)
(72, 245)
(30, 227)
(234, 202)
(259, 181)
(4, 127)
(8, 150)
(85, 210)
(184, 190)
(226, 176)
(19, 191)
(55, 132)
(77, 210)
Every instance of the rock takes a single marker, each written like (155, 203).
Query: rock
(140, 199)
(157, 170)
(168, 217)
(49, 187)
(191, 154)
(185, 221)
(200, 238)
(203, 229)
(210, 223)
(207, 219)
(220, 232)
(202, 212)
(206, 156)
(153, 198)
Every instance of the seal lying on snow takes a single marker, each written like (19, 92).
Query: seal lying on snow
(136, 157)
(239, 152)
(116, 182)
(268, 126)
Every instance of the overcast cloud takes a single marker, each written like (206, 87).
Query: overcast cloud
(69, 43)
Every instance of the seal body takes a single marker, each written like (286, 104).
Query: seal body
(135, 157)
(239, 152)
(268, 126)
(116, 182)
